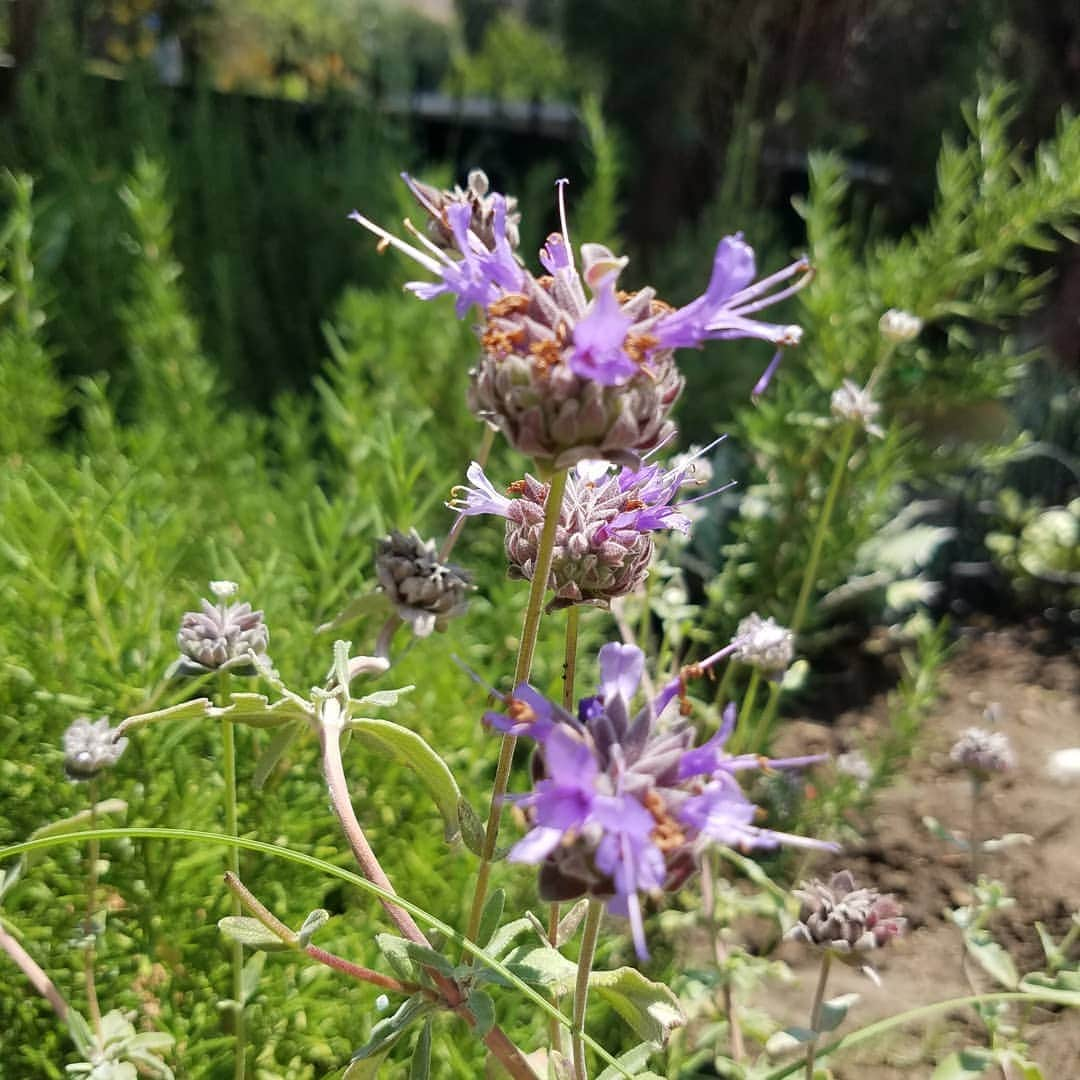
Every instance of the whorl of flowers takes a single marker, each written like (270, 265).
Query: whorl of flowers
(603, 540)
(220, 636)
(845, 919)
(624, 801)
(89, 748)
(571, 366)
(425, 591)
(764, 644)
(983, 752)
(856, 404)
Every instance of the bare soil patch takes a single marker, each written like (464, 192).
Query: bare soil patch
(1039, 701)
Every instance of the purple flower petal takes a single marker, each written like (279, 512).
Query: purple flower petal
(598, 352)
(621, 668)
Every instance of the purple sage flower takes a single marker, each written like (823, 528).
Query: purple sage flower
(624, 801)
(571, 365)
(603, 541)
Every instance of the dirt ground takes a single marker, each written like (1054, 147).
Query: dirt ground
(1038, 697)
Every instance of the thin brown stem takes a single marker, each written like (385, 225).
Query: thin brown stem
(334, 771)
(509, 1055)
(526, 650)
(34, 972)
(272, 923)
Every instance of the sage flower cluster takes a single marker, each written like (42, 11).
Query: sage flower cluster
(624, 802)
(603, 539)
(572, 366)
(845, 919)
(982, 752)
(221, 636)
(425, 591)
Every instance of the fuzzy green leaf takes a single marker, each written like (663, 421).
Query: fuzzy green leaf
(250, 932)
(992, 958)
(964, 1065)
(405, 746)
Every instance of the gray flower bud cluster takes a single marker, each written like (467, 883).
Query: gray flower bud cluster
(220, 636)
(843, 918)
(89, 748)
(855, 403)
(590, 565)
(523, 387)
(426, 593)
(983, 752)
(477, 195)
(764, 644)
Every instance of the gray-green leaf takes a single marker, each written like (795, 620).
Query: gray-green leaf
(252, 933)
(405, 746)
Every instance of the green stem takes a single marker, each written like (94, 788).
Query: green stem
(976, 798)
(93, 855)
(725, 683)
(573, 615)
(720, 956)
(815, 1013)
(873, 1031)
(228, 753)
(743, 739)
(810, 574)
(522, 670)
(581, 986)
(809, 578)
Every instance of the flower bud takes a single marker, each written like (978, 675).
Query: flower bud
(856, 404)
(764, 644)
(983, 752)
(425, 592)
(89, 748)
(899, 326)
(221, 637)
(844, 919)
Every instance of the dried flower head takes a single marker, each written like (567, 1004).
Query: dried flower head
(856, 404)
(426, 592)
(899, 326)
(983, 752)
(567, 374)
(623, 803)
(845, 919)
(221, 636)
(764, 644)
(89, 748)
(603, 541)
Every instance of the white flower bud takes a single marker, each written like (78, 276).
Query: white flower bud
(899, 326)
